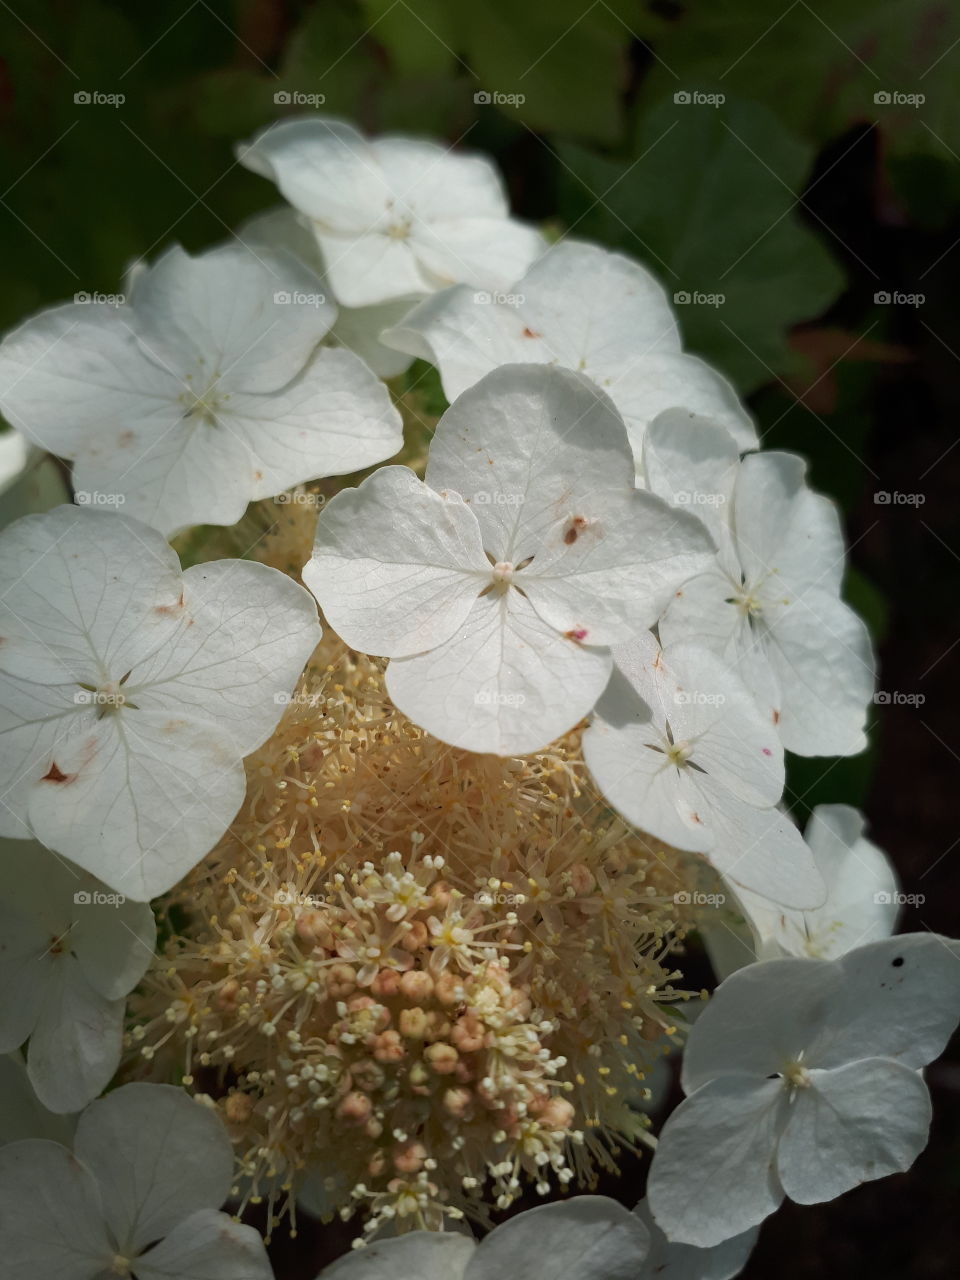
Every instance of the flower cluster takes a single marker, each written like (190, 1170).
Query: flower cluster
(423, 876)
(416, 978)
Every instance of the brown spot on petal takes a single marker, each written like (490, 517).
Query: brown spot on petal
(578, 634)
(125, 438)
(531, 333)
(54, 774)
(776, 717)
(170, 610)
(574, 529)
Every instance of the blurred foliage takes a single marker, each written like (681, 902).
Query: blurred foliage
(607, 121)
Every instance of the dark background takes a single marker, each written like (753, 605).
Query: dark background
(819, 187)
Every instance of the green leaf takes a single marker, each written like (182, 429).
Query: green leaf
(709, 204)
(821, 66)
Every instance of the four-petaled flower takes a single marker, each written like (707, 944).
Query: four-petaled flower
(498, 585)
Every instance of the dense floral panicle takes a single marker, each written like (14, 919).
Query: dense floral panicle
(410, 970)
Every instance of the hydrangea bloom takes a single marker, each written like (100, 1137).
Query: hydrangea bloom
(394, 217)
(861, 903)
(803, 1080)
(679, 748)
(70, 952)
(596, 1239)
(498, 585)
(130, 692)
(770, 603)
(209, 371)
(138, 1195)
(582, 308)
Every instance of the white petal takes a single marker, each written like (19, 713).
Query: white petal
(720, 800)
(207, 1246)
(506, 683)
(76, 1044)
(713, 1175)
(427, 1255)
(336, 417)
(230, 312)
(784, 529)
(674, 380)
(26, 970)
(157, 1157)
(322, 166)
(90, 591)
(820, 653)
(396, 567)
(113, 941)
(528, 447)
(693, 462)
(759, 1020)
(141, 799)
(861, 901)
(164, 477)
(439, 184)
(851, 1125)
(611, 577)
(51, 1219)
(21, 1113)
(586, 1238)
(578, 306)
(75, 375)
(358, 328)
(487, 252)
(245, 633)
(898, 998)
(367, 268)
(668, 1261)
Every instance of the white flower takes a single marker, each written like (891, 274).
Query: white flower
(583, 308)
(678, 746)
(667, 1261)
(804, 1080)
(70, 952)
(130, 692)
(771, 603)
(498, 586)
(394, 217)
(585, 1238)
(202, 393)
(137, 1195)
(358, 328)
(861, 903)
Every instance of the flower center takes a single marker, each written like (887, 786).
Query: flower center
(120, 1265)
(204, 405)
(796, 1076)
(400, 229)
